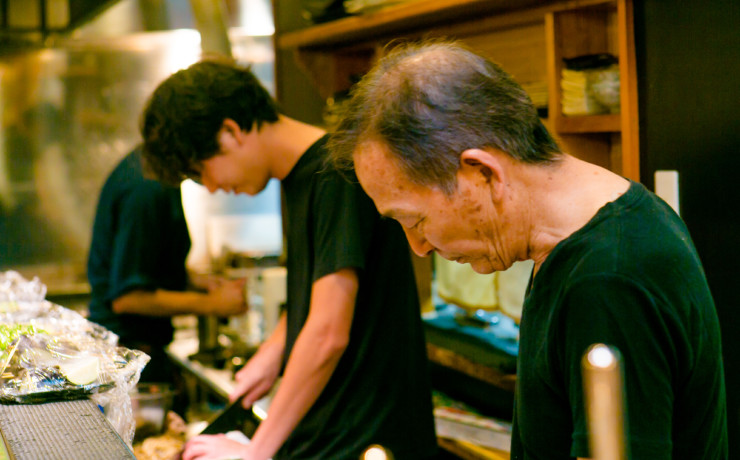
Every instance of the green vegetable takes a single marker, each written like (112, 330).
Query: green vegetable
(9, 333)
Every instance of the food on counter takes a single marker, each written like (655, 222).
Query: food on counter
(8, 306)
(82, 370)
(35, 364)
(9, 333)
(51, 353)
(167, 446)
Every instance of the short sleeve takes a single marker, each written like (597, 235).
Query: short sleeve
(617, 311)
(137, 253)
(343, 224)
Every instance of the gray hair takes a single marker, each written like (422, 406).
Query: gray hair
(428, 102)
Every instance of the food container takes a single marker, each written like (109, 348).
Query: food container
(150, 403)
(590, 85)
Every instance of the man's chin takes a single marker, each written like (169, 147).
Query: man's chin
(481, 267)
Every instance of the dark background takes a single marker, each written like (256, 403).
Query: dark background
(688, 64)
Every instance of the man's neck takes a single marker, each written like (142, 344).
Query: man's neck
(565, 199)
(286, 141)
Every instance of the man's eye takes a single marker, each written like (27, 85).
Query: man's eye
(415, 224)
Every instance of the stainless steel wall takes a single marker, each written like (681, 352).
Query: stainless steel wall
(68, 113)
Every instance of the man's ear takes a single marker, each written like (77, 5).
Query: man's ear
(483, 166)
(231, 127)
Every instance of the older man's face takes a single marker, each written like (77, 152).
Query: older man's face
(457, 227)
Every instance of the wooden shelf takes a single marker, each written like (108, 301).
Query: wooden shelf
(610, 123)
(414, 15)
(395, 19)
(452, 360)
(333, 54)
(582, 29)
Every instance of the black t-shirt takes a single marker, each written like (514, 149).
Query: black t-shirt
(379, 392)
(140, 241)
(630, 278)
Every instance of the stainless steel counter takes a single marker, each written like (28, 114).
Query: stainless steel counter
(219, 381)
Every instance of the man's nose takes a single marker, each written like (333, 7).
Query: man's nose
(211, 186)
(418, 243)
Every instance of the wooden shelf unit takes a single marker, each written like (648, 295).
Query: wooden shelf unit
(450, 359)
(394, 21)
(528, 40)
(601, 27)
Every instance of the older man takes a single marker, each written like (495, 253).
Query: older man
(446, 143)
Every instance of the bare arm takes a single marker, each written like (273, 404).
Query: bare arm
(253, 381)
(224, 298)
(258, 376)
(314, 358)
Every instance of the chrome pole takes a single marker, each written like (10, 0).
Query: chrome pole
(605, 408)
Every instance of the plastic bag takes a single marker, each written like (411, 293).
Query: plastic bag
(48, 352)
(14, 287)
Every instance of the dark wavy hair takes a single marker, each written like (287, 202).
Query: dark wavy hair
(427, 102)
(182, 118)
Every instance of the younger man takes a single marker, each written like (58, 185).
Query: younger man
(351, 345)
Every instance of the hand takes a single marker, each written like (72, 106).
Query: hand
(256, 378)
(227, 297)
(214, 447)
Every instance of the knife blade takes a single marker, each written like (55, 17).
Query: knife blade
(232, 417)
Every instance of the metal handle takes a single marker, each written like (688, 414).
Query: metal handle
(376, 452)
(603, 388)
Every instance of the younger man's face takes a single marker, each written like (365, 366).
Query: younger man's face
(239, 166)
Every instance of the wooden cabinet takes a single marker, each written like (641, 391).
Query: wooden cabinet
(529, 41)
(600, 27)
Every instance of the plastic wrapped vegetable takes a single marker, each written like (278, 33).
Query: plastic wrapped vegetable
(48, 352)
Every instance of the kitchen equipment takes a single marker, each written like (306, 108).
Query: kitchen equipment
(150, 403)
(207, 333)
(211, 352)
(274, 294)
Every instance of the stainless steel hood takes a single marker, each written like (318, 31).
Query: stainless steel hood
(36, 23)
(47, 16)
(28, 23)
(69, 110)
